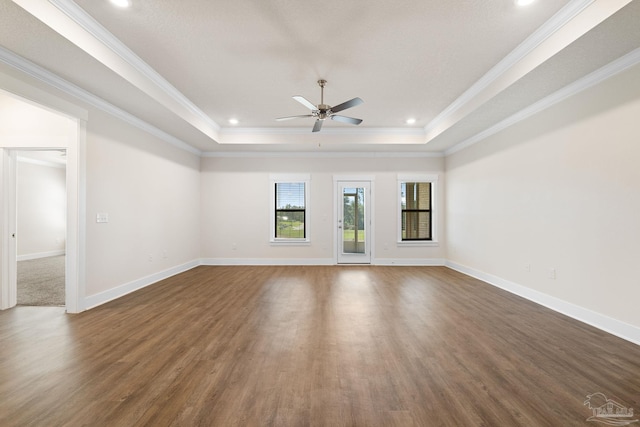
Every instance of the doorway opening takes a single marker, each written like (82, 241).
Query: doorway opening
(41, 227)
(33, 120)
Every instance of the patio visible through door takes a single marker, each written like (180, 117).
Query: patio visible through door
(354, 223)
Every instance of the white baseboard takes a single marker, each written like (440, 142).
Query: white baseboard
(267, 261)
(407, 262)
(120, 291)
(27, 257)
(607, 324)
(320, 261)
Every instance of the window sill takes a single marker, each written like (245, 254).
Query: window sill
(418, 243)
(286, 242)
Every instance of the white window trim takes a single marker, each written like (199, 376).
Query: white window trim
(289, 178)
(433, 179)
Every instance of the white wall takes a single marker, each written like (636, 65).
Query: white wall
(151, 193)
(23, 124)
(560, 191)
(236, 204)
(41, 207)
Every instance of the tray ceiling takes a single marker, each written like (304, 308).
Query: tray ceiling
(456, 67)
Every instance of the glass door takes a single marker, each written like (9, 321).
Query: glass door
(354, 224)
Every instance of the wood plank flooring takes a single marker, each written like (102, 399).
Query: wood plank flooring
(309, 346)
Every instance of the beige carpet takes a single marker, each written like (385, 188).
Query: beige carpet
(41, 281)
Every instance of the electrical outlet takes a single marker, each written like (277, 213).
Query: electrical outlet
(102, 218)
(527, 268)
(150, 258)
(552, 274)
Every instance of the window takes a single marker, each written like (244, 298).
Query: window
(289, 213)
(416, 214)
(416, 210)
(290, 210)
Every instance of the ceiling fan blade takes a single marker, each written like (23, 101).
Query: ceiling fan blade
(345, 119)
(293, 117)
(304, 101)
(317, 126)
(351, 103)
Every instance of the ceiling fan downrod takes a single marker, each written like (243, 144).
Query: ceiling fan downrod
(323, 109)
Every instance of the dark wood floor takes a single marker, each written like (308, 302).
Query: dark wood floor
(296, 346)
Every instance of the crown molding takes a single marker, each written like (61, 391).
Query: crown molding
(598, 76)
(324, 154)
(556, 22)
(565, 15)
(590, 80)
(325, 131)
(106, 38)
(537, 48)
(29, 68)
(354, 136)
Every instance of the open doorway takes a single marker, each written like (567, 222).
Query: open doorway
(32, 120)
(41, 227)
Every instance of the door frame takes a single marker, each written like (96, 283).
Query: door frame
(76, 200)
(337, 200)
(9, 264)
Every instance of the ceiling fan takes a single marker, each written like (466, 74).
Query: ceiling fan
(322, 111)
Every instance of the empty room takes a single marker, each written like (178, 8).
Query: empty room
(292, 213)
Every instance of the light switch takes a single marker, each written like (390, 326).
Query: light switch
(102, 217)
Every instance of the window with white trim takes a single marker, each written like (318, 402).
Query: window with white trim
(416, 213)
(289, 209)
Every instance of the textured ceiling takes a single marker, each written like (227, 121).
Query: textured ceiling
(245, 59)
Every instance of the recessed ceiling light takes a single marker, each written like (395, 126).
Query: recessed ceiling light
(233, 121)
(524, 2)
(410, 121)
(121, 3)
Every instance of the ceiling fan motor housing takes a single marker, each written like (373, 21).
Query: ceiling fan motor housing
(324, 111)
